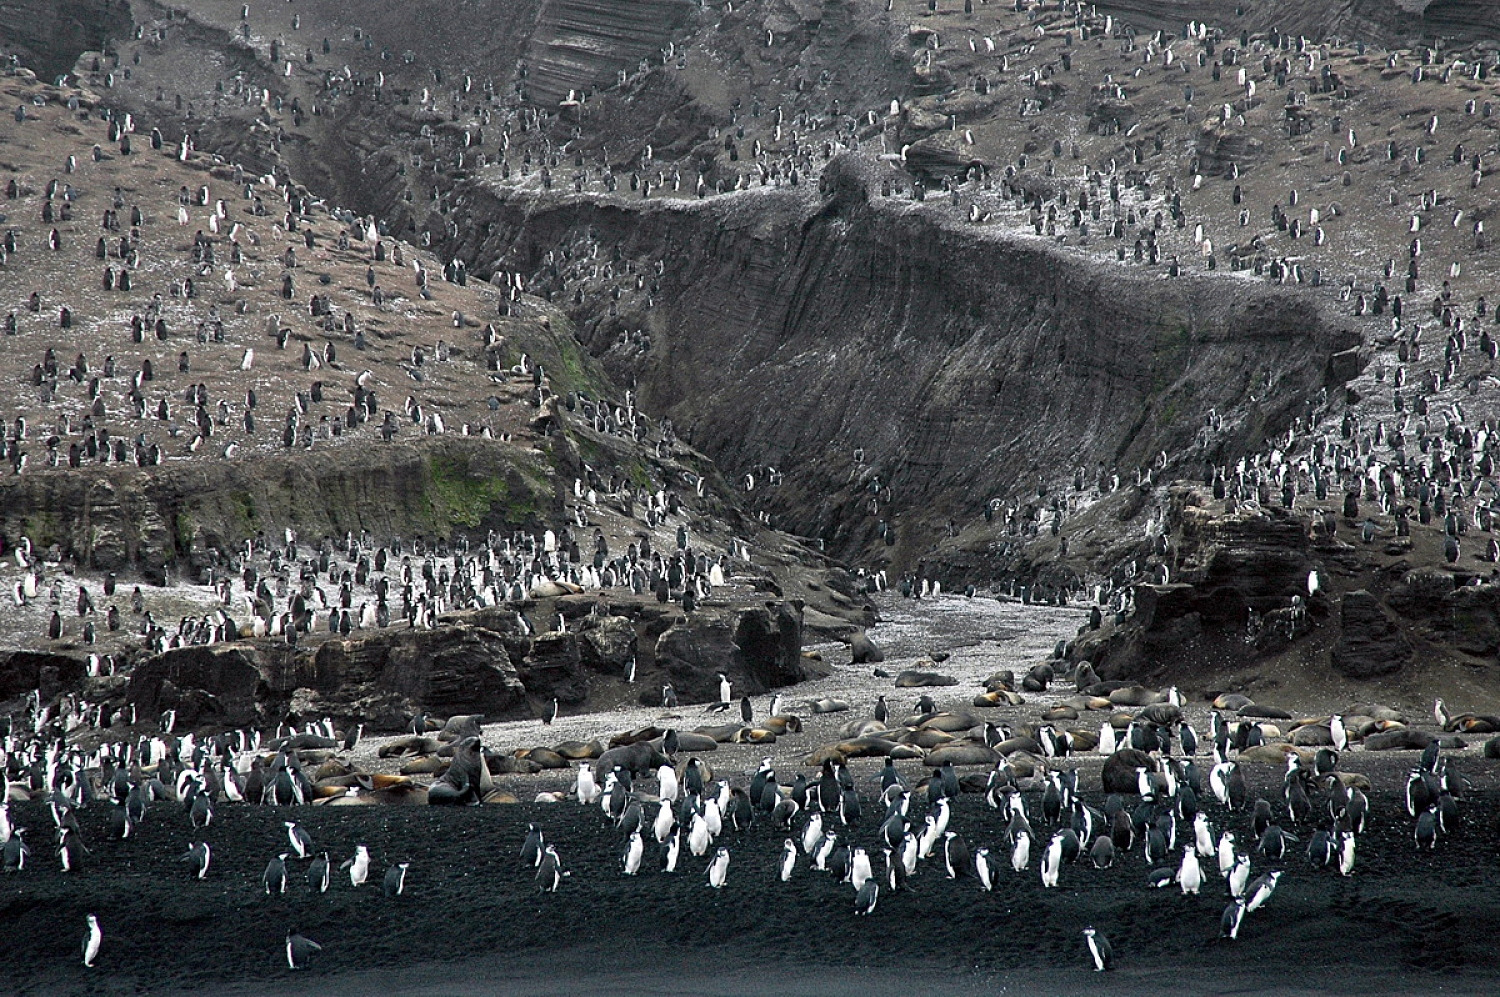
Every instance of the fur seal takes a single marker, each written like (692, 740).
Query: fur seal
(864, 650)
(963, 754)
(467, 779)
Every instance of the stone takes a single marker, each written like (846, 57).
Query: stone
(607, 645)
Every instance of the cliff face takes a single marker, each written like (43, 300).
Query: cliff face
(113, 518)
(1385, 22)
(790, 331)
(49, 35)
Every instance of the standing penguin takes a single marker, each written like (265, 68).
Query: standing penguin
(866, 896)
(358, 865)
(317, 873)
(92, 941)
(531, 848)
(635, 847)
(1229, 924)
(1099, 948)
(198, 857)
(395, 879)
(718, 869)
(788, 859)
(549, 871)
(274, 878)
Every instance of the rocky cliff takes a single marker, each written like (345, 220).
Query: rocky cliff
(904, 368)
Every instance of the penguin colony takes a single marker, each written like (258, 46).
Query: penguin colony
(187, 370)
(1177, 809)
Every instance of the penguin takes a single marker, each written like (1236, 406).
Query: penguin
(1426, 832)
(1189, 873)
(531, 848)
(356, 731)
(358, 865)
(549, 871)
(299, 949)
(984, 871)
(1020, 852)
(1260, 891)
(1239, 877)
(91, 941)
(1099, 950)
(1052, 861)
(1102, 854)
(955, 855)
(1273, 843)
(585, 788)
(198, 858)
(718, 869)
(866, 897)
(671, 848)
(630, 860)
(725, 691)
(395, 879)
(301, 841)
(1229, 924)
(274, 878)
(317, 873)
(747, 711)
(69, 851)
(551, 712)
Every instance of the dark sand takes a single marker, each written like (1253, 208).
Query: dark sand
(472, 923)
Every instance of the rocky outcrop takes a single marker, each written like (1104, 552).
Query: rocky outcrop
(49, 35)
(1370, 641)
(758, 649)
(579, 45)
(48, 674)
(480, 662)
(554, 669)
(381, 679)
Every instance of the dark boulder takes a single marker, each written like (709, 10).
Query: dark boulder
(758, 649)
(608, 645)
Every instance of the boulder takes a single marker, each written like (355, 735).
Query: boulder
(218, 684)
(758, 648)
(607, 645)
(380, 680)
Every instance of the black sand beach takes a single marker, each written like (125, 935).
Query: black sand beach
(472, 922)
